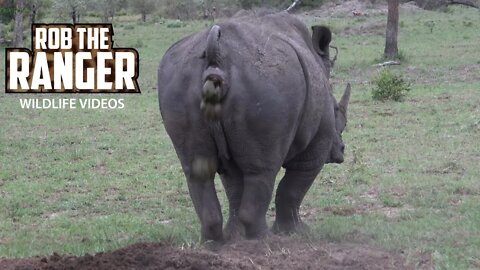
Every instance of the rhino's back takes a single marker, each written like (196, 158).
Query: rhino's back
(261, 45)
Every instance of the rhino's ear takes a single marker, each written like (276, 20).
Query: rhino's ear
(321, 37)
(343, 104)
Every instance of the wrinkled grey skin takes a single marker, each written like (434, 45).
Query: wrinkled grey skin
(242, 99)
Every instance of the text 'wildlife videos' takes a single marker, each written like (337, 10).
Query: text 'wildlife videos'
(72, 103)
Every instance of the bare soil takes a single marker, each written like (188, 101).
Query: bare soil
(272, 253)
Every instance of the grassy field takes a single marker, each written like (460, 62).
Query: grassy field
(78, 181)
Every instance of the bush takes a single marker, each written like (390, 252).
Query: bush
(388, 86)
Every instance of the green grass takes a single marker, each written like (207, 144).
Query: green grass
(77, 181)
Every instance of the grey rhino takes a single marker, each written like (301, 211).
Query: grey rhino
(242, 99)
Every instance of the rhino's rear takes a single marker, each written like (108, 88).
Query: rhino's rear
(243, 98)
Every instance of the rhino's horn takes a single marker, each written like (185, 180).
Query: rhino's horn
(343, 104)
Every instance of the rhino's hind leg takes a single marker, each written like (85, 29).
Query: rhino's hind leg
(257, 193)
(202, 191)
(232, 181)
(290, 193)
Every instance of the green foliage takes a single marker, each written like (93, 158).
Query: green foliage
(176, 24)
(390, 201)
(388, 86)
(106, 9)
(312, 3)
(401, 56)
(7, 11)
(180, 9)
(70, 8)
(144, 7)
(7, 33)
(32, 11)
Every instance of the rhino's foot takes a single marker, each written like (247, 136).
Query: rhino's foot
(255, 224)
(212, 233)
(257, 231)
(298, 227)
(234, 230)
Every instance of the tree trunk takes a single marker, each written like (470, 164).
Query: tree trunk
(34, 14)
(18, 42)
(391, 44)
(74, 15)
(113, 15)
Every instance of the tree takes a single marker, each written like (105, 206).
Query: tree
(391, 44)
(72, 7)
(7, 9)
(19, 9)
(183, 9)
(37, 9)
(208, 9)
(144, 7)
(211, 9)
(33, 16)
(107, 9)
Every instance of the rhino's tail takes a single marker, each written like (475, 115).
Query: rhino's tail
(214, 78)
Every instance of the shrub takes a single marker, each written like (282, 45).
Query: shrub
(388, 86)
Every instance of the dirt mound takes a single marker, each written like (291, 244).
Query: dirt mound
(272, 253)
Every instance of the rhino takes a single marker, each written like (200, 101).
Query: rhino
(243, 99)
